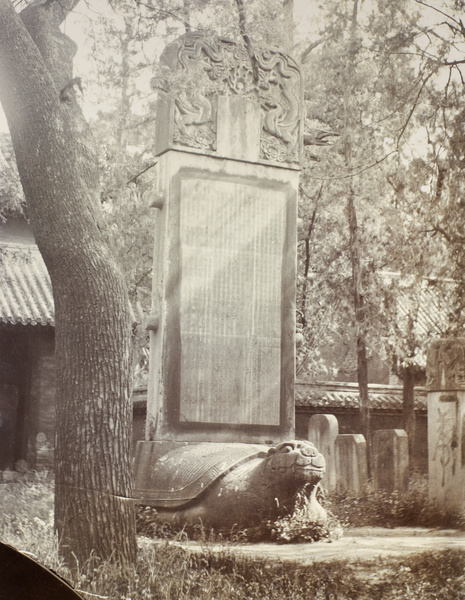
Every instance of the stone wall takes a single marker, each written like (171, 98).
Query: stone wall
(27, 396)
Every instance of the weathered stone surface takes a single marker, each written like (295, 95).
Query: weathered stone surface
(445, 367)
(351, 463)
(446, 423)
(323, 431)
(390, 460)
(226, 485)
(222, 322)
(224, 102)
(222, 356)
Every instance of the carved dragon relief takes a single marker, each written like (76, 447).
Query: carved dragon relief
(445, 367)
(207, 66)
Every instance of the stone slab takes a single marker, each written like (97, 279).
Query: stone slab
(390, 460)
(229, 144)
(223, 103)
(222, 349)
(351, 463)
(446, 423)
(323, 431)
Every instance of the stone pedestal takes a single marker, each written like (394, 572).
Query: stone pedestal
(390, 460)
(223, 311)
(446, 423)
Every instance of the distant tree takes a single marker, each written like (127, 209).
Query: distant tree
(364, 82)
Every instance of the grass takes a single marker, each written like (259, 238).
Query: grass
(411, 508)
(26, 517)
(166, 571)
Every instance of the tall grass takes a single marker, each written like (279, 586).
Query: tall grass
(410, 508)
(26, 517)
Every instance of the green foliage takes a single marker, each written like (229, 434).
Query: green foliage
(399, 509)
(401, 125)
(429, 576)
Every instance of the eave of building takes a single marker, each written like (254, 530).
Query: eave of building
(25, 289)
(333, 395)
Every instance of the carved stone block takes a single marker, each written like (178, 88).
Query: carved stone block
(445, 368)
(390, 460)
(223, 101)
(227, 486)
(228, 141)
(323, 431)
(446, 422)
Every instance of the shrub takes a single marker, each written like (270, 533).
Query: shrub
(399, 509)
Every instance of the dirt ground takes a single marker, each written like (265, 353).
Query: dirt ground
(365, 543)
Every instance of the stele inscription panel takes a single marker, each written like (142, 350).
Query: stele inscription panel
(232, 239)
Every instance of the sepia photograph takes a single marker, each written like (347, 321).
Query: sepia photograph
(232, 307)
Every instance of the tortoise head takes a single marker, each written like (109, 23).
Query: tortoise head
(296, 459)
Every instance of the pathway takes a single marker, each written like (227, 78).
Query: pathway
(364, 543)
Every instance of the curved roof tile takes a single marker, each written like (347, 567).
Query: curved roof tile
(345, 395)
(25, 288)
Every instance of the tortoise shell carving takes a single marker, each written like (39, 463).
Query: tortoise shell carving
(228, 485)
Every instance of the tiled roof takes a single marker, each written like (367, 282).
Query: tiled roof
(432, 310)
(333, 395)
(345, 395)
(25, 288)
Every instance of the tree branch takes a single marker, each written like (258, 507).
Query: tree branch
(169, 13)
(136, 177)
(306, 52)
(444, 14)
(246, 38)
(412, 110)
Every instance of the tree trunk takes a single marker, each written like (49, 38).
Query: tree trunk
(362, 363)
(408, 407)
(354, 244)
(288, 26)
(94, 512)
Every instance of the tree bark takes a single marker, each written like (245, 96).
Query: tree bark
(94, 511)
(362, 363)
(288, 26)
(354, 243)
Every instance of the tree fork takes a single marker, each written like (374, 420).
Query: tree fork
(94, 512)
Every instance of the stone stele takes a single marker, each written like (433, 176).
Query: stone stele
(222, 325)
(446, 422)
(223, 486)
(228, 142)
